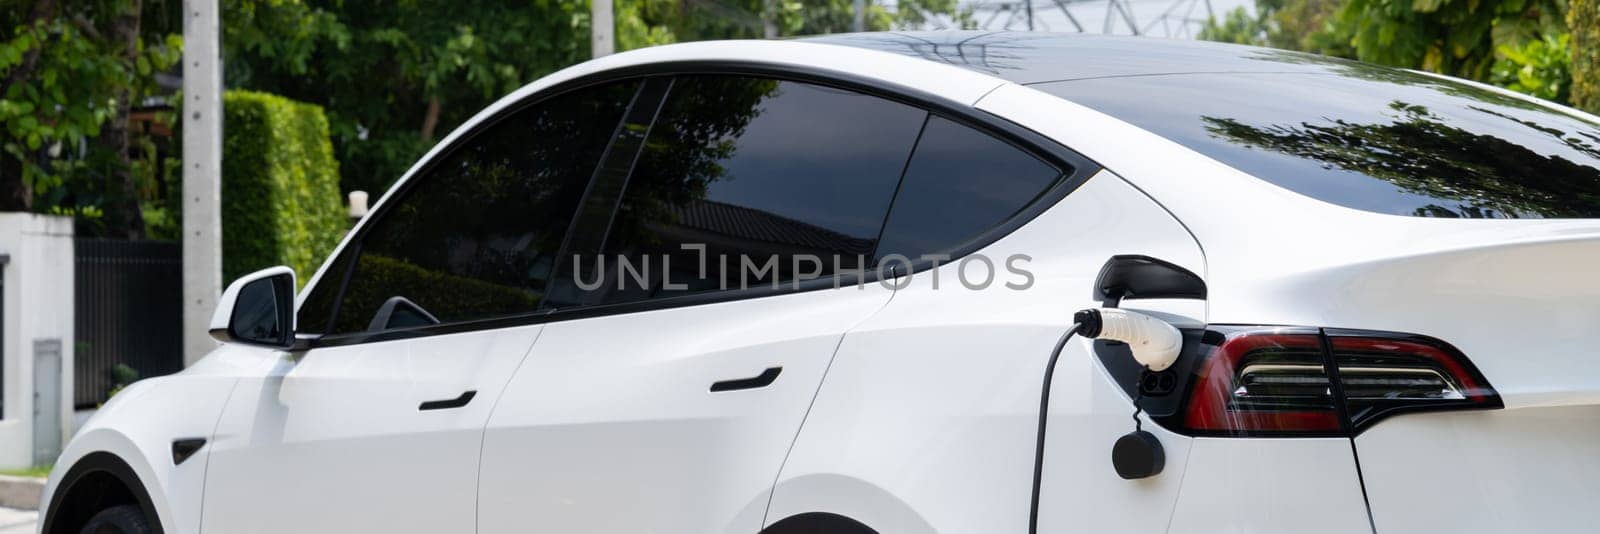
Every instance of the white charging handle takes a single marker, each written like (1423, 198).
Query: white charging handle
(1155, 343)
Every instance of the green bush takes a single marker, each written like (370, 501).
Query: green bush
(280, 186)
(1583, 18)
(1538, 67)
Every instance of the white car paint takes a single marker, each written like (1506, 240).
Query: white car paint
(1518, 297)
(933, 403)
(1270, 485)
(596, 419)
(332, 439)
(922, 419)
(140, 422)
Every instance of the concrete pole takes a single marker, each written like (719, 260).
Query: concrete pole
(603, 30)
(769, 19)
(202, 172)
(861, 16)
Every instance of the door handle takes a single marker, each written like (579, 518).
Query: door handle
(759, 381)
(448, 403)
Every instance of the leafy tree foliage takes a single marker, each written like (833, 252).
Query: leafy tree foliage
(1455, 37)
(70, 72)
(1539, 68)
(1237, 26)
(740, 19)
(1303, 25)
(395, 76)
(1522, 45)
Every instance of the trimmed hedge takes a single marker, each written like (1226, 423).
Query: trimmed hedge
(280, 186)
(1583, 18)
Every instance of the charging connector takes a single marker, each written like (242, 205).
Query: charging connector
(1155, 343)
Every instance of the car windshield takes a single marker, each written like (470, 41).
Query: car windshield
(1371, 138)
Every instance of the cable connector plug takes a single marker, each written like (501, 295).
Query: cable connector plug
(1155, 343)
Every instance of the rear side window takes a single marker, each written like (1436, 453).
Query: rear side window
(476, 236)
(739, 169)
(1371, 138)
(960, 183)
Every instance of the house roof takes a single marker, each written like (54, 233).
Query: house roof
(757, 225)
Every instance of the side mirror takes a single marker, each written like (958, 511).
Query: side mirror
(257, 309)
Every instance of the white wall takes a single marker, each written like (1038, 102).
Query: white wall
(38, 304)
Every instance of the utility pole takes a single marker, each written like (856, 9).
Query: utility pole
(769, 19)
(861, 16)
(602, 29)
(1028, 4)
(202, 174)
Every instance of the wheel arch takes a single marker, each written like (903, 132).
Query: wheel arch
(129, 441)
(818, 523)
(835, 500)
(95, 482)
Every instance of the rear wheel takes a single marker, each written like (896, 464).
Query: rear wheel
(125, 519)
(818, 523)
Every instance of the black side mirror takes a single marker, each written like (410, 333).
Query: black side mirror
(257, 309)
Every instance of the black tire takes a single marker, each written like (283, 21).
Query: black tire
(125, 519)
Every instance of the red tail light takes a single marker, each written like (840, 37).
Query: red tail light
(1276, 382)
(1383, 374)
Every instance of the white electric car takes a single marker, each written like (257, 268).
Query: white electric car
(597, 307)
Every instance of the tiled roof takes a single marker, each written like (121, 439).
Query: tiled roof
(757, 225)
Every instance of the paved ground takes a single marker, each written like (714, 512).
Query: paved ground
(14, 521)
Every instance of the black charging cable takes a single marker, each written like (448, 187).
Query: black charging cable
(1135, 455)
(1044, 414)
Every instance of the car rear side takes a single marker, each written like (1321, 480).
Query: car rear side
(1395, 260)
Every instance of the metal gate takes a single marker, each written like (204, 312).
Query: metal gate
(129, 299)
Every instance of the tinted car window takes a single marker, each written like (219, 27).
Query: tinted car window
(316, 312)
(1370, 138)
(477, 234)
(754, 170)
(605, 191)
(959, 184)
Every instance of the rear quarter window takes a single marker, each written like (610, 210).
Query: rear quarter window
(959, 183)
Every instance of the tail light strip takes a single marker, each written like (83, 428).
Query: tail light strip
(1275, 382)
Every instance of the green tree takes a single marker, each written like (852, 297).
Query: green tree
(1302, 25)
(1455, 37)
(1540, 68)
(69, 74)
(696, 20)
(395, 76)
(1238, 26)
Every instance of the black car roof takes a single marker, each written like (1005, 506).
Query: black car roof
(1035, 57)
